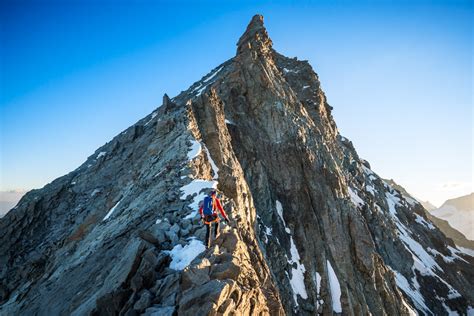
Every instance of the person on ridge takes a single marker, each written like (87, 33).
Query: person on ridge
(208, 211)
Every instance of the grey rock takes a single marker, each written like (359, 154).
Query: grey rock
(160, 311)
(144, 301)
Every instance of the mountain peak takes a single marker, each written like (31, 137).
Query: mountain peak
(255, 38)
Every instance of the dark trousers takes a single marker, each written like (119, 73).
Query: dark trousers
(208, 232)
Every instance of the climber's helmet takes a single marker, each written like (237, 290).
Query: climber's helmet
(212, 193)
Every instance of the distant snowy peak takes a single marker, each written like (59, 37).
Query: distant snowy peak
(459, 213)
(462, 203)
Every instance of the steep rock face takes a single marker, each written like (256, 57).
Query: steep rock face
(314, 230)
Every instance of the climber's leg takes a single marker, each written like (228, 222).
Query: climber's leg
(216, 230)
(208, 235)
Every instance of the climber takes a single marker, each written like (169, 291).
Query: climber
(207, 210)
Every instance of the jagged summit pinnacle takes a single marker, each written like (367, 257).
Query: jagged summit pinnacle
(255, 37)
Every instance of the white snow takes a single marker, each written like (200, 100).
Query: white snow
(159, 220)
(412, 292)
(423, 261)
(318, 283)
(422, 221)
(153, 115)
(280, 213)
(194, 150)
(96, 191)
(290, 70)
(183, 256)
(470, 311)
(411, 311)
(101, 154)
(112, 210)
(369, 188)
(297, 274)
(268, 231)
(215, 169)
(355, 198)
(213, 74)
(200, 88)
(454, 253)
(195, 187)
(466, 251)
(369, 173)
(449, 311)
(335, 289)
(229, 122)
(305, 87)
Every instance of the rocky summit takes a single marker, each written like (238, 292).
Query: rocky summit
(313, 229)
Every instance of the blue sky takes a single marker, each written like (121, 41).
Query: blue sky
(398, 74)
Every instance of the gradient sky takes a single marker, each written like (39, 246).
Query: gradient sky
(398, 74)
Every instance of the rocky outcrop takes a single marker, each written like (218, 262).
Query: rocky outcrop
(314, 230)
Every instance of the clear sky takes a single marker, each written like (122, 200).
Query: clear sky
(73, 74)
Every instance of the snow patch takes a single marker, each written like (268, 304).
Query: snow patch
(423, 261)
(466, 251)
(183, 256)
(412, 292)
(286, 70)
(356, 200)
(422, 221)
(153, 115)
(280, 213)
(214, 167)
(369, 188)
(112, 210)
(268, 231)
(195, 187)
(203, 85)
(335, 289)
(449, 311)
(229, 122)
(297, 274)
(159, 220)
(101, 154)
(213, 74)
(195, 149)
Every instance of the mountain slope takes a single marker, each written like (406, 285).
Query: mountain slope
(314, 229)
(459, 213)
(427, 205)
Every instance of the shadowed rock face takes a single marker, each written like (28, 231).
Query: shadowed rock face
(314, 230)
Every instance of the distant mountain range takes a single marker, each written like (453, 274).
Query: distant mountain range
(8, 200)
(459, 213)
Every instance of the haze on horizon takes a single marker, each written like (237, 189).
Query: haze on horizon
(399, 76)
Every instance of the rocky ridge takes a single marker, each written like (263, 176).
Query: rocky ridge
(314, 230)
